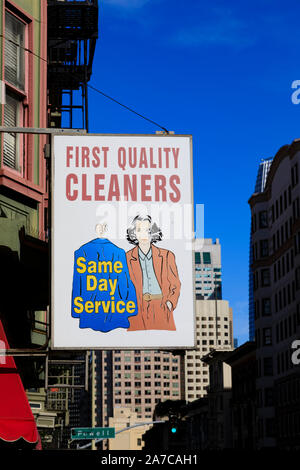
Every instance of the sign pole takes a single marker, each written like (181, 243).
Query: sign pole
(93, 398)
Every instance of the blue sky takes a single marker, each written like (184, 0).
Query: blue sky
(221, 71)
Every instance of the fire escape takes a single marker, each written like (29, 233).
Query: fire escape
(72, 35)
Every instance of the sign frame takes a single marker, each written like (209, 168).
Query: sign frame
(51, 244)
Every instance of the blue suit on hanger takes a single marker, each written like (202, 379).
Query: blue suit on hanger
(101, 249)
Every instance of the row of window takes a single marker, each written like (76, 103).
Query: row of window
(284, 361)
(217, 271)
(265, 366)
(139, 351)
(288, 392)
(287, 327)
(146, 359)
(147, 367)
(210, 276)
(285, 296)
(265, 397)
(193, 380)
(265, 428)
(262, 307)
(261, 278)
(147, 384)
(282, 234)
(196, 372)
(283, 265)
(262, 221)
(263, 337)
(147, 376)
(205, 319)
(280, 205)
(261, 248)
(205, 256)
(289, 425)
(212, 326)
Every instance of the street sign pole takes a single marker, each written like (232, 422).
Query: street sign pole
(93, 397)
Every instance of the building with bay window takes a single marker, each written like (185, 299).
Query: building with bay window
(275, 269)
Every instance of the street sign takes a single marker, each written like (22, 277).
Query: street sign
(92, 433)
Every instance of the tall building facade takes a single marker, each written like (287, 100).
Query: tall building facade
(136, 380)
(213, 316)
(276, 287)
(214, 330)
(208, 276)
(260, 183)
(46, 50)
(23, 190)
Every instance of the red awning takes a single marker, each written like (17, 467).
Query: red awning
(16, 418)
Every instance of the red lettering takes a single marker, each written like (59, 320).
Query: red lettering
(105, 150)
(159, 158)
(71, 196)
(85, 161)
(114, 189)
(95, 153)
(174, 179)
(99, 187)
(85, 196)
(167, 151)
(132, 158)
(145, 187)
(152, 164)
(130, 187)
(176, 155)
(143, 158)
(160, 187)
(69, 155)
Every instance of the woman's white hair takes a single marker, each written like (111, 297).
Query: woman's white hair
(155, 231)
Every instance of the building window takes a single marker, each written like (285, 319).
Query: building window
(268, 366)
(15, 85)
(264, 248)
(270, 427)
(294, 175)
(297, 278)
(267, 336)
(14, 51)
(197, 258)
(253, 224)
(206, 258)
(265, 277)
(296, 209)
(263, 219)
(266, 307)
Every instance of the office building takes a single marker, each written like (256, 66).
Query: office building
(260, 183)
(136, 380)
(276, 290)
(129, 440)
(213, 330)
(208, 277)
(243, 420)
